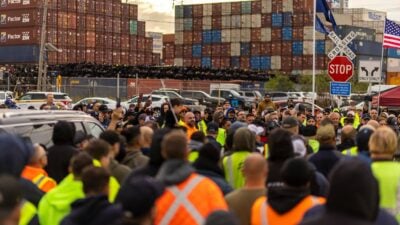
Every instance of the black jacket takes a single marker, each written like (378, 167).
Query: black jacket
(95, 210)
(59, 157)
(283, 199)
(325, 159)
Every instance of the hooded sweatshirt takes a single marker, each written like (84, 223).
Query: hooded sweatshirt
(353, 197)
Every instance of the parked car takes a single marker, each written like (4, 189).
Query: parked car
(308, 105)
(157, 101)
(111, 104)
(254, 96)
(38, 98)
(233, 96)
(202, 97)
(173, 94)
(37, 125)
(4, 95)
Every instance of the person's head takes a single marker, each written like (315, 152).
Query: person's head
(241, 116)
(212, 129)
(95, 181)
(280, 145)
(99, 150)
(382, 121)
(273, 116)
(50, 99)
(291, 124)
(132, 136)
(250, 118)
(39, 157)
(244, 140)
(334, 117)
(326, 135)
(218, 117)
(176, 105)
(175, 146)
(301, 116)
(226, 105)
(220, 217)
(310, 121)
(296, 172)
(189, 119)
(348, 133)
(11, 199)
(255, 169)
(198, 136)
(365, 118)
(267, 97)
(15, 153)
(164, 107)
(374, 114)
(147, 136)
(96, 106)
(363, 136)
(79, 162)
(320, 116)
(383, 143)
(63, 133)
(226, 123)
(113, 139)
(142, 119)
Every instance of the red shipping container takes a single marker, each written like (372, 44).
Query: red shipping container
(72, 6)
(108, 57)
(187, 51)
(62, 38)
(125, 42)
(62, 57)
(266, 20)
(124, 27)
(226, 49)
(277, 6)
(141, 43)
(298, 20)
(51, 18)
(62, 4)
(168, 38)
(100, 40)
(308, 19)
(141, 28)
(81, 22)
(140, 58)
(156, 59)
(179, 51)
(307, 62)
(216, 50)
(197, 37)
(196, 62)
(198, 24)
(197, 11)
(298, 6)
(149, 44)
(125, 11)
(117, 25)
(108, 24)
(90, 6)
(99, 24)
(52, 36)
(170, 62)
(265, 48)
(216, 22)
(132, 58)
(20, 18)
(187, 62)
(62, 21)
(286, 48)
(244, 62)
(187, 37)
(298, 33)
(297, 63)
(116, 57)
(99, 57)
(255, 49)
(80, 55)
(216, 9)
(133, 42)
(236, 8)
(216, 62)
(116, 42)
(71, 55)
(256, 7)
(108, 7)
(71, 40)
(286, 62)
(276, 34)
(90, 55)
(108, 41)
(90, 22)
(19, 36)
(255, 34)
(52, 4)
(321, 63)
(308, 6)
(116, 8)
(133, 12)
(276, 48)
(7, 5)
(205, 50)
(225, 62)
(71, 20)
(90, 39)
(52, 58)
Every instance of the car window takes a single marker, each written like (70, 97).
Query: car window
(60, 97)
(2, 95)
(26, 97)
(155, 99)
(94, 129)
(249, 94)
(38, 96)
(40, 133)
(280, 95)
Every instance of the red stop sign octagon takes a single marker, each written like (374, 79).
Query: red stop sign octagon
(340, 69)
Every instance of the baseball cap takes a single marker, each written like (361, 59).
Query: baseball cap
(139, 194)
(289, 122)
(366, 116)
(104, 108)
(212, 127)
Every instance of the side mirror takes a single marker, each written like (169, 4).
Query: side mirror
(230, 95)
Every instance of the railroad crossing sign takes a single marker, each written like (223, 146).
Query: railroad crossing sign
(341, 45)
(369, 71)
(340, 69)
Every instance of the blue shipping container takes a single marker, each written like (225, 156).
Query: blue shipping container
(255, 62)
(235, 61)
(188, 24)
(287, 33)
(370, 48)
(19, 54)
(393, 53)
(297, 48)
(196, 50)
(216, 36)
(265, 62)
(206, 62)
(246, 7)
(277, 19)
(287, 19)
(187, 11)
(179, 11)
(320, 47)
(245, 49)
(207, 37)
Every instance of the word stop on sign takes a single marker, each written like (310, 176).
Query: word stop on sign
(340, 69)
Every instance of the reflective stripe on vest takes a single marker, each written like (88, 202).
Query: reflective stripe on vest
(39, 180)
(229, 164)
(351, 151)
(263, 210)
(181, 199)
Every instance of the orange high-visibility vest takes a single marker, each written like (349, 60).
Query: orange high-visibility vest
(189, 202)
(39, 177)
(262, 214)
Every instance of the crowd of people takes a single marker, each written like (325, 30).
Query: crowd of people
(223, 165)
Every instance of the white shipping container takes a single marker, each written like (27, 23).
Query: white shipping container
(207, 10)
(226, 22)
(288, 6)
(236, 21)
(342, 19)
(265, 34)
(393, 65)
(379, 38)
(308, 34)
(246, 21)
(266, 6)
(226, 8)
(226, 35)
(178, 38)
(178, 25)
(276, 62)
(207, 23)
(256, 20)
(307, 47)
(178, 62)
(245, 35)
(235, 35)
(235, 49)
(329, 45)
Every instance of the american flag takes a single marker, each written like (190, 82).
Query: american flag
(391, 36)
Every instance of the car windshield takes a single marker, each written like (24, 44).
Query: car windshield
(235, 93)
(2, 96)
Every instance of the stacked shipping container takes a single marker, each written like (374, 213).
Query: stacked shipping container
(97, 31)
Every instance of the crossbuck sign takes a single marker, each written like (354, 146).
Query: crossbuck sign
(341, 45)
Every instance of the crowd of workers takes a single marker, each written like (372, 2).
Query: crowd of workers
(269, 165)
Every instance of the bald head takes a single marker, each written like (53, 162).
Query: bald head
(348, 132)
(174, 145)
(147, 136)
(189, 119)
(39, 158)
(255, 168)
(374, 124)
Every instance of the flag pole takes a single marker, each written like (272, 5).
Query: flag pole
(313, 69)
(381, 75)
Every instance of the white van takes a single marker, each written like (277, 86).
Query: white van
(4, 95)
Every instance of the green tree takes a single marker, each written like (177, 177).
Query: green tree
(321, 83)
(279, 83)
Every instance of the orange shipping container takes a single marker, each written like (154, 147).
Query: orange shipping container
(286, 48)
(255, 34)
(216, 9)
(297, 62)
(298, 33)
(276, 34)
(216, 50)
(298, 20)
(256, 7)
(90, 55)
(187, 37)
(308, 19)
(99, 58)
(197, 11)
(71, 6)
(244, 62)
(255, 49)
(276, 48)
(187, 62)
(226, 49)
(266, 20)
(225, 62)
(286, 62)
(277, 6)
(168, 38)
(216, 62)
(205, 50)
(196, 62)
(265, 48)
(197, 37)
(236, 8)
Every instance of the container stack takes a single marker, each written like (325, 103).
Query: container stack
(95, 31)
(168, 49)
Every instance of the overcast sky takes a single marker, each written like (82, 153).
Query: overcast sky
(159, 14)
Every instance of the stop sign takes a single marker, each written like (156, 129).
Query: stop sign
(340, 69)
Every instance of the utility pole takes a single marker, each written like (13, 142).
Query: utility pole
(42, 76)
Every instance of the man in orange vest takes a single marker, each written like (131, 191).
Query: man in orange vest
(288, 204)
(34, 170)
(189, 198)
(189, 124)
